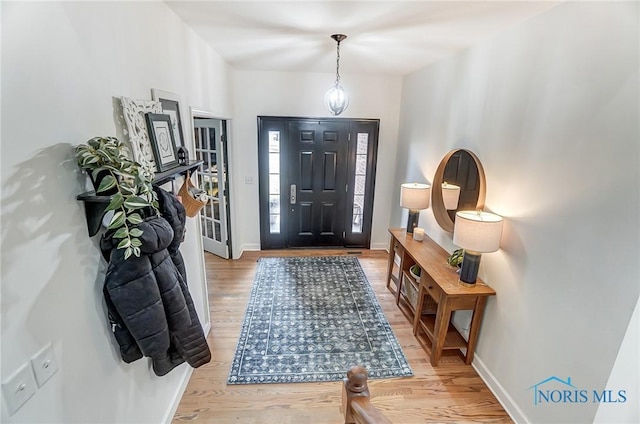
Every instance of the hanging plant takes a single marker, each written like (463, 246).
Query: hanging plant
(108, 162)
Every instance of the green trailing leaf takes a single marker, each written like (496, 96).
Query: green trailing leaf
(121, 233)
(117, 220)
(134, 218)
(135, 232)
(116, 202)
(128, 253)
(136, 242)
(89, 160)
(124, 243)
(136, 203)
(107, 183)
(125, 190)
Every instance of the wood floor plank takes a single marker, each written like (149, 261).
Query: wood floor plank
(451, 392)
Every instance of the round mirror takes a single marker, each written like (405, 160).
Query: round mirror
(459, 168)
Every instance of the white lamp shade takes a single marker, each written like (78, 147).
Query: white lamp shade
(450, 196)
(415, 196)
(477, 231)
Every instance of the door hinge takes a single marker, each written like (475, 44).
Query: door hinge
(346, 188)
(349, 137)
(223, 138)
(344, 234)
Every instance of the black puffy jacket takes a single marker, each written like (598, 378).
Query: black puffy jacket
(190, 343)
(149, 304)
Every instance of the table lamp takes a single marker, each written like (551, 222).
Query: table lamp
(414, 196)
(476, 232)
(450, 196)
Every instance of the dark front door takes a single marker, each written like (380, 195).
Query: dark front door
(317, 182)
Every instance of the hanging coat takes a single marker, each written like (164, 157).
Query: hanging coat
(148, 301)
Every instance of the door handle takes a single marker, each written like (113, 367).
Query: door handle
(292, 194)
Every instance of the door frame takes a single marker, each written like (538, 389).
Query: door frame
(203, 114)
(280, 240)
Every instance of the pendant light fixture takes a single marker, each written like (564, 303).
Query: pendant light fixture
(336, 99)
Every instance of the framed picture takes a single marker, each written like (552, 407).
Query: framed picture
(162, 141)
(170, 103)
(134, 112)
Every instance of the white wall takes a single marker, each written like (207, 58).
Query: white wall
(625, 368)
(62, 65)
(301, 94)
(551, 109)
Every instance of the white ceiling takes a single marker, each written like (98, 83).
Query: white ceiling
(384, 37)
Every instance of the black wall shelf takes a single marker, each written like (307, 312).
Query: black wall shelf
(95, 206)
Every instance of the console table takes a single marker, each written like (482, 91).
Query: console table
(430, 302)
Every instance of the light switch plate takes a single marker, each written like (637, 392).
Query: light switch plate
(44, 364)
(18, 388)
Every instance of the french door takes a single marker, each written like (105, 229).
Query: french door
(316, 181)
(210, 143)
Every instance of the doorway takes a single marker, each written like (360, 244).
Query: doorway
(316, 177)
(210, 136)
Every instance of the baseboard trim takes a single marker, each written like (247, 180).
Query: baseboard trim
(379, 246)
(177, 396)
(499, 391)
(248, 247)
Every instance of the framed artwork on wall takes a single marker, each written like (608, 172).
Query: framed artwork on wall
(134, 116)
(170, 103)
(162, 141)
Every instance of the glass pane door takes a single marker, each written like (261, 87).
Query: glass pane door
(212, 176)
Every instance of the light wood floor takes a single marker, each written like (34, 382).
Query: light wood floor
(451, 392)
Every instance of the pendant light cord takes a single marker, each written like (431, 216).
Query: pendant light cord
(338, 64)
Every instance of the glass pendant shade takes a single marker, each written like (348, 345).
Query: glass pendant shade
(336, 100)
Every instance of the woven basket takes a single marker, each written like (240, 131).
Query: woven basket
(191, 204)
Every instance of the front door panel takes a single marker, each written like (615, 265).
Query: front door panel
(317, 158)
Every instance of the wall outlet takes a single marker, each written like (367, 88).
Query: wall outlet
(249, 180)
(18, 388)
(44, 364)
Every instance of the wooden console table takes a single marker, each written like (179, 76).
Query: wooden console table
(430, 302)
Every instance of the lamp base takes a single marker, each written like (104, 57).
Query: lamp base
(412, 221)
(470, 267)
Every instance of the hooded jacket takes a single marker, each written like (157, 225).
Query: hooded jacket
(148, 301)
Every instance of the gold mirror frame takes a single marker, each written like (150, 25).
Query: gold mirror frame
(439, 211)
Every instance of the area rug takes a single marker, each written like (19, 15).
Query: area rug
(311, 319)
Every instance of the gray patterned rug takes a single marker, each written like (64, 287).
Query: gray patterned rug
(311, 319)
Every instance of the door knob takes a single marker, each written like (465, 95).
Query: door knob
(292, 194)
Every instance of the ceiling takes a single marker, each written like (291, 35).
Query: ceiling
(384, 37)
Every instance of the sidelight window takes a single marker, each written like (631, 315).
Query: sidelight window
(360, 182)
(274, 181)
